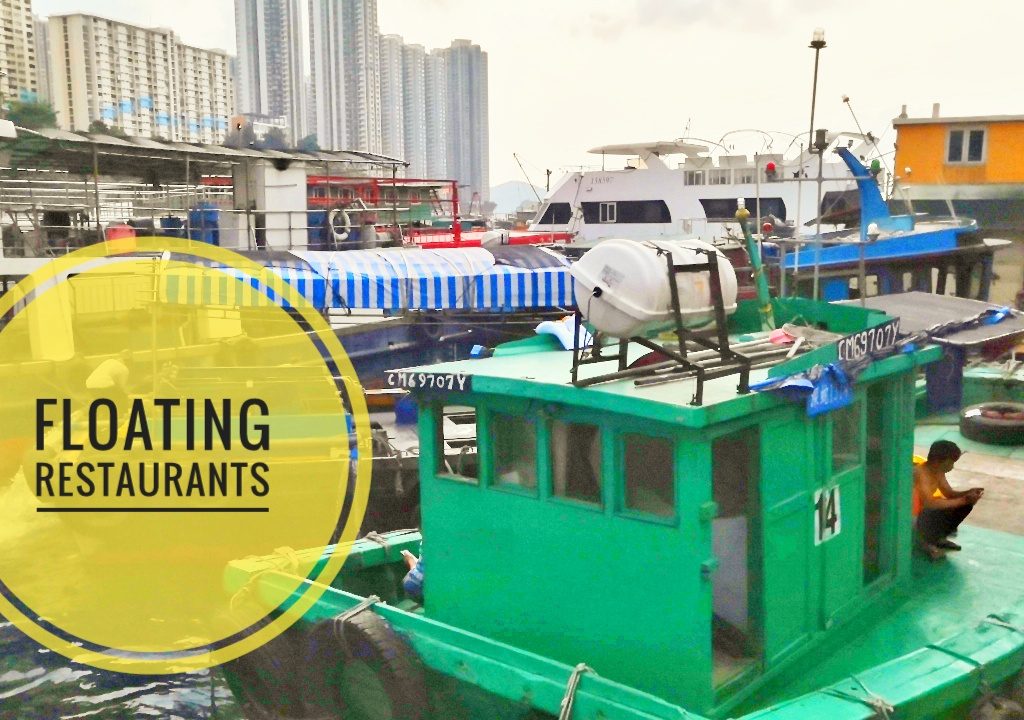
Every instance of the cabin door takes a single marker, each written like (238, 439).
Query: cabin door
(736, 542)
(838, 509)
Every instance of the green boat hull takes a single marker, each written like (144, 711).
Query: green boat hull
(933, 649)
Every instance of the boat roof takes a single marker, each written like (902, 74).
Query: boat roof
(920, 311)
(64, 150)
(656, 147)
(539, 368)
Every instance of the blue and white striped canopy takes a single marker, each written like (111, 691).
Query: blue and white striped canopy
(443, 279)
(387, 279)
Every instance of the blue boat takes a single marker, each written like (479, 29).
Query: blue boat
(885, 253)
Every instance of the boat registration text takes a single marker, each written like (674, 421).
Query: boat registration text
(411, 379)
(872, 340)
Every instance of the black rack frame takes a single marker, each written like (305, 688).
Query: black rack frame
(730, 362)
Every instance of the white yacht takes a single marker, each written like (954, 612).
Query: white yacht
(680, 188)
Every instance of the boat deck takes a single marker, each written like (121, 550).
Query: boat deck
(945, 598)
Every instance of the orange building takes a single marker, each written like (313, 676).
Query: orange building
(973, 166)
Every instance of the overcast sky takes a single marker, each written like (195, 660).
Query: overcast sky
(567, 75)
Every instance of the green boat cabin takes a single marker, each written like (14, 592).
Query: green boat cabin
(692, 552)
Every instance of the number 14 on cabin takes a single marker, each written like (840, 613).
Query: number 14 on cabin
(827, 519)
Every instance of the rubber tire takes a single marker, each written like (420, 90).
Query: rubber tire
(335, 679)
(992, 431)
(267, 681)
(996, 708)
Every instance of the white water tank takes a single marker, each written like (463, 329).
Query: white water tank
(622, 286)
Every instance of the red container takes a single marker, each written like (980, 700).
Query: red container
(120, 238)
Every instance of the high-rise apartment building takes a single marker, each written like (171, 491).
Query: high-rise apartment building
(392, 103)
(42, 42)
(344, 58)
(271, 80)
(141, 80)
(310, 107)
(327, 69)
(362, 79)
(17, 51)
(467, 116)
(414, 110)
(435, 113)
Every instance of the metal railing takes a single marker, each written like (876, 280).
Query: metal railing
(44, 213)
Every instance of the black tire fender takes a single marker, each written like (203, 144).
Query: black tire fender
(994, 423)
(996, 708)
(265, 681)
(339, 656)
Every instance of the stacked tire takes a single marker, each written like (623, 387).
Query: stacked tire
(994, 423)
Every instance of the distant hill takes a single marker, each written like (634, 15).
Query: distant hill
(509, 195)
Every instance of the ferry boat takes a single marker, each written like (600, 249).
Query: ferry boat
(654, 196)
(648, 538)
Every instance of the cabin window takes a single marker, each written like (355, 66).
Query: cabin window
(456, 444)
(846, 442)
(693, 177)
(724, 209)
(627, 211)
(649, 475)
(576, 461)
(719, 176)
(606, 212)
(966, 145)
(515, 451)
(556, 214)
(743, 176)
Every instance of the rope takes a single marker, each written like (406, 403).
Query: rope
(999, 622)
(565, 709)
(979, 667)
(291, 566)
(341, 619)
(291, 556)
(882, 708)
(374, 536)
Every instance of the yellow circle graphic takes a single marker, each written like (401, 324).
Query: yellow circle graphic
(168, 416)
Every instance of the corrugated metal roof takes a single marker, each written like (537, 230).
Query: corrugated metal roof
(108, 144)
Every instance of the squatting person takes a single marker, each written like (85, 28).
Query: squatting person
(942, 508)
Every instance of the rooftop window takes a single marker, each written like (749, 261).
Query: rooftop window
(693, 177)
(719, 176)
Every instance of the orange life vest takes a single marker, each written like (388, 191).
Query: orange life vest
(918, 504)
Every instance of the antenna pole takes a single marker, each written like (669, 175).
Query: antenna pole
(535, 193)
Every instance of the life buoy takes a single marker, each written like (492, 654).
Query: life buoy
(359, 668)
(339, 236)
